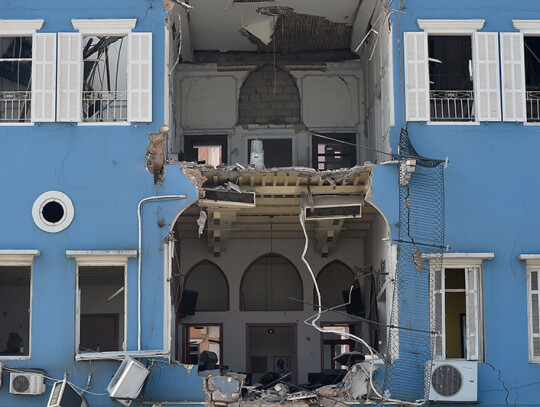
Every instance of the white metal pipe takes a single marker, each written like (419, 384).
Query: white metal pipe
(139, 215)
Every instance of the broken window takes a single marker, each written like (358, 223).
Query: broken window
(333, 280)
(206, 149)
(207, 279)
(458, 313)
(332, 155)
(15, 304)
(269, 283)
(450, 75)
(101, 304)
(104, 92)
(15, 79)
(334, 344)
(278, 152)
(200, 338)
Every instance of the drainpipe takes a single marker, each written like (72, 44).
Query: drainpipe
(139, 214)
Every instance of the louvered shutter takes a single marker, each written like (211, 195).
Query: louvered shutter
(43, 77)
(438, 309)
(416, 76)
(513, 77)
(140, 77)
(486, 76)
(534, 316)
(69, 77)
(472, 312)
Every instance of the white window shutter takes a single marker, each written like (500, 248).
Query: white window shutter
(43, 77)
(416, 76)
(69, 77)
(486, 76)
(140, 77)
(472, 312)
(513, 77)
(534, 315)
(438, 308)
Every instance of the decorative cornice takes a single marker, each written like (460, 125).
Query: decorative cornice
(460, 259)
(20, 27)
(527, 26)
(17, 257)
(451, 26)
(104, 26)
(101, 257)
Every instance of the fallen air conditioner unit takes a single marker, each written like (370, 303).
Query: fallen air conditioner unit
(128, 381)
(454, 380)
(333, 207)
(228, 198)
(26, 383)
(64, 394)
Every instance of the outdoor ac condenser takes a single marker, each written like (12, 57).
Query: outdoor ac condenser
(26, 383)
(333, 207)
(128, 381)
(454, 380)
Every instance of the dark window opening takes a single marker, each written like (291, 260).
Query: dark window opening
(332, 155)
(455, 310)
(15, 83)
(104, 79)
(14, 311)
(102, 308)
(450, 76)
(206, 149)
(53, 212)
(202, 338)
(532, 77)
(277, 152)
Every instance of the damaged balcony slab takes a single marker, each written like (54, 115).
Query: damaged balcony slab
(288, 181)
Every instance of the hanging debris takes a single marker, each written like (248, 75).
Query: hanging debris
(155, 154)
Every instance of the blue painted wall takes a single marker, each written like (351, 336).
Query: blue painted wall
(102, 169)
(492, 196)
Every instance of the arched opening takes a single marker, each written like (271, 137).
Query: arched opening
(211, 284)
(334, 278)
(259, 103)
(269, 283)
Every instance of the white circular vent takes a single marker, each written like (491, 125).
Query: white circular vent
(53, 211)
(446, 380)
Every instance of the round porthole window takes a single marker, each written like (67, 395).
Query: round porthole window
(53, 211)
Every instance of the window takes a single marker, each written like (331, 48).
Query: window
(278, 151)
(16, 303)
(452, 72)
(334, 344)
(332, 155)
(533, 305)
(105, 73)
(27, 72)
(208, 149)
(457, 306)
(101, 295)
(333, 280)
(209, 281)
(200, 338)
(520, 65)
(269, 283)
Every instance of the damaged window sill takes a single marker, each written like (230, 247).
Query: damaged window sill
(25, 357)
(120, 355)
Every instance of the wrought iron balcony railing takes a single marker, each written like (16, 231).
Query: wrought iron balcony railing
(15, 106)
(451, 105)
(533, 106)
(104, 106)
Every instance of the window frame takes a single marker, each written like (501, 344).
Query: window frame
(74, 40)
(118, 258)
(458, 27)
(22, 258)
(459, 261)
(18, 28)
(275, 135)
(532, 264)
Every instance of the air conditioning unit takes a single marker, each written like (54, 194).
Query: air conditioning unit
(128, 381)
(454, 380)
(64, 395)
(333, 207)
(26, 383)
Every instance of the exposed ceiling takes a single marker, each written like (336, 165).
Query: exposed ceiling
(300, 25)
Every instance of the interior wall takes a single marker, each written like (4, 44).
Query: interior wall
(236, 256)
(332, 100)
